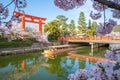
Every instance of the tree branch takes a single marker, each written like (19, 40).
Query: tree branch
(110, 4)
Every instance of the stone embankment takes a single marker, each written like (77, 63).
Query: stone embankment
(34, 47)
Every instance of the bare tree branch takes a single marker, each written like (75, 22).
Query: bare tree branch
(110, 4)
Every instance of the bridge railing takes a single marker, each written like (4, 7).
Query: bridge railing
(89, 38)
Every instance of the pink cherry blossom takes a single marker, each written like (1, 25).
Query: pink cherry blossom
(20, 3)
(95, 16)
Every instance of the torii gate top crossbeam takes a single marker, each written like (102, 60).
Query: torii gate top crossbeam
(27, 15)
(30, 18)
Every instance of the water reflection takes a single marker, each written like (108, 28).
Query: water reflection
(88, 64)
(36, 67)
(6, 68)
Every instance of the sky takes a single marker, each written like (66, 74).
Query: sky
(47, 9)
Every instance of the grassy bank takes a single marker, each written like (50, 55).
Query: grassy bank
(16, 43)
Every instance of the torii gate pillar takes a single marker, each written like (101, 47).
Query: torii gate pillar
(23, 23)
(40, 26)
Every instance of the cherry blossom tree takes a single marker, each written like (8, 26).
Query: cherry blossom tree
(4, 12)
(11, 31)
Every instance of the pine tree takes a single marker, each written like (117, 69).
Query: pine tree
(72, 27)
(81, 22)
(94, 26)
(64, 26)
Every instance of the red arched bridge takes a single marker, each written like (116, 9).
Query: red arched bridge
(95, 41)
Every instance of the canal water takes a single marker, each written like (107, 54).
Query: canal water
(34, 66)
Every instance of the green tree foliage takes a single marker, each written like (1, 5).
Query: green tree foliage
(91, 31)
(94, 26)
(72, 27)
(47, 27)
(81, 22)
(62, 18)
(80, 29)
(53, 28)
(64, 29)
(63, 25)
(116, 28)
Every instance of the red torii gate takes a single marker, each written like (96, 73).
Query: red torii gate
(30, 18)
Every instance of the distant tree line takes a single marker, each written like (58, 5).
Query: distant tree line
(60, 28)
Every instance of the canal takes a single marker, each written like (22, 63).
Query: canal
(34, 66)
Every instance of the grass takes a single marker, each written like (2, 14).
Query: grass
(16, 43)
